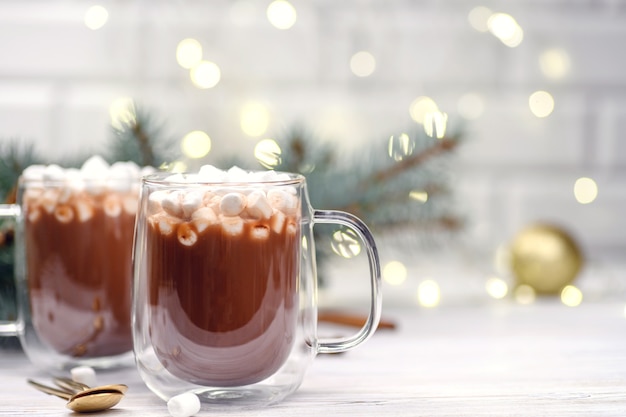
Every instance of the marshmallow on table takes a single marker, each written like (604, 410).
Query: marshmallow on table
(84, 375)
(183, 405)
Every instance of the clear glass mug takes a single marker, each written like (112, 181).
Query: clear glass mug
(225, 287)
(73, 270)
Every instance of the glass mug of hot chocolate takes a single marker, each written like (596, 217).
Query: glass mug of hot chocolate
(73, 263)
(225, 289)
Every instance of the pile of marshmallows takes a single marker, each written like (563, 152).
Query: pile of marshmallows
(228, 198)
(68, 192)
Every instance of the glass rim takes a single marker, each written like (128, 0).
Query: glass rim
(163, 178)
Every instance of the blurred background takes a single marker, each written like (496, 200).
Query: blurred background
(527, 97)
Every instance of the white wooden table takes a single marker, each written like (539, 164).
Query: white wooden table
(498, 360)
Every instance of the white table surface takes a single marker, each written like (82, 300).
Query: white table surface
(498, 360)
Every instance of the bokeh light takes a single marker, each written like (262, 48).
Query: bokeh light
(419, 195)
(478, 18)
(496, 287)
(435, 124)
(281, 14)
(395, 273)
(554, 63)
(524, 294)
(345, 243)
(205, 74)
(362, 64)
(428, 293)
(96, 17)
(400, 146)
(585, 190)
(504, 27)
(571, 296)
(122, 112)
(541, 103)
(471, 106)
(254, 118)
(422, 106)
(188, 53)
(196, 144)
(268, 153)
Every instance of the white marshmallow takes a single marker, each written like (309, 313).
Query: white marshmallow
(283, 201)
(236, 174)
(232, 226)
(278, 221)
(232, 204)
(53, 173)
(84, 210)
(176, 178)
(94, 168)
(209, 173)
(130, 203)
(203, 218)
(34, 214)
(154, 201)
(258, 206)
(64, 214)
(165, 224)
(292, 228)
(49, 200)
(84, 375)
(172, 204)
(260, 232)
(33, 172)
(112, 205)
(184, 405)
(145, 171)
(192, 201)
(186, 235)
(121, 176)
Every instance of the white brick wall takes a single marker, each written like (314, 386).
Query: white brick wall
(57, 79)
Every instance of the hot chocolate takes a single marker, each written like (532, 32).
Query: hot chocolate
(78, 236)
(222, 268)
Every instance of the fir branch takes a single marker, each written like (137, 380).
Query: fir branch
(15, 156)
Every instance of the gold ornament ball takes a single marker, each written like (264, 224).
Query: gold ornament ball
(546, 258)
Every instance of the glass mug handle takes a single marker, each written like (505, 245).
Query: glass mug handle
(368, 329)
(9, 211)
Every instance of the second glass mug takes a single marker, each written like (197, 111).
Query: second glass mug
(73, 265)
(225, 288)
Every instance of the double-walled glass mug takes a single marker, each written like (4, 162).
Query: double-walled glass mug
(225, 289)
(73, 263)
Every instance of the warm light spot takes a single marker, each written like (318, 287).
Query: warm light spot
(345, 243)
(420, 107)
(268, 153)
(471, 106)
(96, 17)
(496, 287)
(395, 273)
(504, 27)
(585, 190)
(176, 167)
(571, 296)
(554, 63)
(254, 119)
(421, 196)
(435, 124)
(196, 144)
(478, 18)
(188, 53)
(541, 103)
(122, 112)
(362, 64)
(205, 75)
(525, 294)
(428, 293)
(400, 146)
(281, 14)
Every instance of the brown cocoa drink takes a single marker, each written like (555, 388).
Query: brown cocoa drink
(79, 268)
(222, 283)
